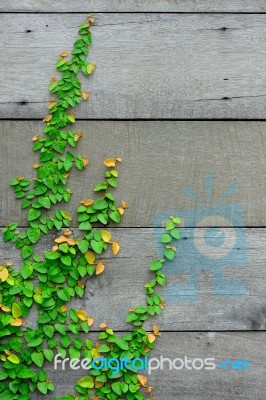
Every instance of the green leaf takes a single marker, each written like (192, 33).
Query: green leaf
(175, 233)
(97, 246)
(3, 375)
(169, 225)
(51, 255)
(122, 344)
(33, 214)
(33, 234)
(100, 204)
(26, 251)
(35, 342)
(48, 354)
(177, 220)
(131, 317)
(45, 202)
(42, 387)
(63, 294)
(169, 254)
(48, 330)
(100, 186)
(26, 270)
(166, 238)
(115, 216)
(85, 226)
(104, 348)
(116, 386)
(67, 260)
(86, 382)
(155, 265)
(83, 246)
(26, 373)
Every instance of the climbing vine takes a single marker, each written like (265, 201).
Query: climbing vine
(50, 280)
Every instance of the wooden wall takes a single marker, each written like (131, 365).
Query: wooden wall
(179, 93)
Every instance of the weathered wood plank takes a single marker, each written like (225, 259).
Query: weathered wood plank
(202, 293)
(150, 65)
(133, 6)
(160, 159)
(195, 384)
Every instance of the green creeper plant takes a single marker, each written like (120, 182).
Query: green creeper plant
(49, 281)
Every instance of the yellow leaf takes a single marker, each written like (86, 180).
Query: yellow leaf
(35, 166)
(9, 263)
(85, 95)
(103, 325)
(97, 384)
(90, 321)
(16, 310)
(82, 315)
(106, 236)
(17, 322)
(13, 358)
(156, 330)
(88, 202)
(124, 204)
(4, 274)
(60, 239)
(85, 161)
(91, 19)
(5, 308)
(121, 210)
(115, 248)
(148, 389)
(51, 105)
(55, 247)
(91, 67)
(90, 257)
(119, 159)
(151, 337)
(35, 137)
(95, 353)
(67, 232)
(48, 118)
(71, 242)
(64, 53)
(142, 380)
(63, 308)
(100, 268)
(20, 178)
(71, 118)
(109, 162)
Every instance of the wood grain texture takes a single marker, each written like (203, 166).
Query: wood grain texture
(217, 301)
(152, 66)
(191, 384)
(133, 6)
(160, 158)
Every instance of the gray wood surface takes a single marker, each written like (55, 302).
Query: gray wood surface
(218, 301)
(181, 66)
(160, 158)
(133, 5)
(191, 384)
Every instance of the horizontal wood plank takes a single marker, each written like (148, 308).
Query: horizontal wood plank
(133, 6)
(195, 384)
(151, 66)
(160, 159)
(226, 292)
